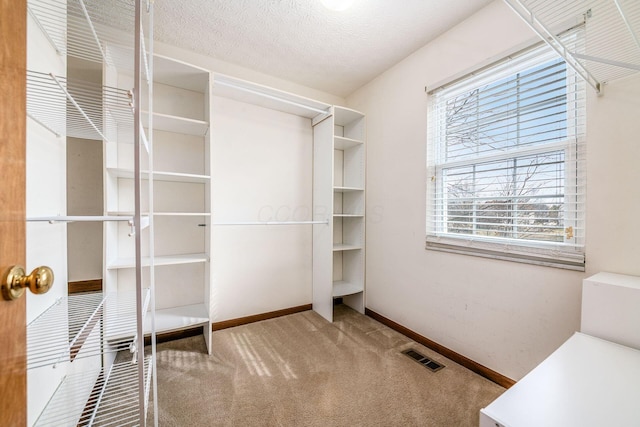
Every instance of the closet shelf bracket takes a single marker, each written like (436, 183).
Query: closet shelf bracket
(35, 119)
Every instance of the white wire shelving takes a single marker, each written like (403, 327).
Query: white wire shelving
(612, 34)
(112, 398)
(81, 326)
(101, 326)
(76, 108)
(83, 28)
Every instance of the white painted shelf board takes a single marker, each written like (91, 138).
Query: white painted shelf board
(176, 318)
(176, 124)
(178, 74)
(345, 247)
(342, 143)
(346, 189)
(180, 177)
(159, 260)
(264, 96)
(586, 382)
(124, 173)
(344, 215)
(343, 116)
(342, 288)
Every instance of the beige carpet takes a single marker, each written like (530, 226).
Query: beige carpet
(300, 370)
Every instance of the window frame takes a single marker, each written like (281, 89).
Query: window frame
(570, 252)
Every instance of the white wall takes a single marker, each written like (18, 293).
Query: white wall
(262, 171)
(507, 316)
(84, 197)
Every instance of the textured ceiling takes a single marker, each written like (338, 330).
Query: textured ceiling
(301, 41)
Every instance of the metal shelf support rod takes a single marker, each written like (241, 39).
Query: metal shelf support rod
(554, 43)
(75, 104)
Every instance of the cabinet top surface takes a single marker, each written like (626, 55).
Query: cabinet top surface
(614, 279)
(586, 382)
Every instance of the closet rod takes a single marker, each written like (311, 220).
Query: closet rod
(326, 222)
(275, 98)
(65, 218)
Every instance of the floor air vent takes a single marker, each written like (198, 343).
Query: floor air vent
(425, 361)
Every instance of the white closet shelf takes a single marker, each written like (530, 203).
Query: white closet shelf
(62, 332)
(344, 116)
(112, 397)
(176, 124)
(347, 215)
(181, 177)
(159, 260)
(160, 175)
(177, 318)
(342, 143)
(346, 189)
(343, 288)
(172, 72)
(345, 247)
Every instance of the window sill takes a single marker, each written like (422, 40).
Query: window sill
(463, 247)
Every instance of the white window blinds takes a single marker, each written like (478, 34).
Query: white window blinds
(506, 162)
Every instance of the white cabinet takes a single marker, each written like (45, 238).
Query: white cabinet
(339, 196)
(611, 308)
(587, 382)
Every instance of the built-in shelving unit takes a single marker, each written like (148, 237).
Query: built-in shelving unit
(339, 188)
(182, 195)
(177, 178)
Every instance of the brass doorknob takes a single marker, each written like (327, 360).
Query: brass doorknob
(15, 281)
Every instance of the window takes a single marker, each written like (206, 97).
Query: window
(506, 162)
